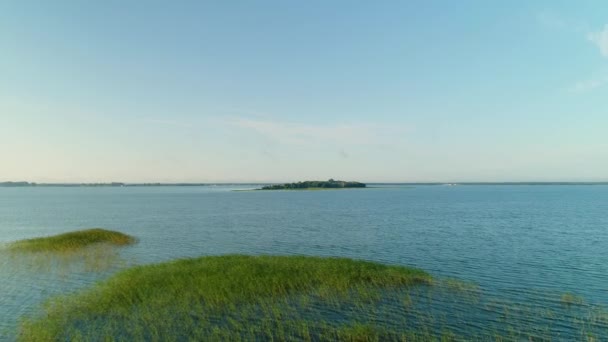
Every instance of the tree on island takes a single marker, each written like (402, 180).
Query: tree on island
(330, 184)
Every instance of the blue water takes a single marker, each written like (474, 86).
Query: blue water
(515, 242)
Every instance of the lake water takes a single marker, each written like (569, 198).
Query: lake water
(522, 244)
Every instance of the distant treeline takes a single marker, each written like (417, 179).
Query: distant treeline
(330, 184)
(115, 184)
(24, 184)
(17, 184)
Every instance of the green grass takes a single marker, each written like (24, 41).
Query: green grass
(72, 241)
(231, 297)
(284, 298)
(569, 298)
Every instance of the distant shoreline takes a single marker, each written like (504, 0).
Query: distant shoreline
(117, 184)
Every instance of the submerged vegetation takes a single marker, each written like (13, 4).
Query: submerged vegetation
(72, 241)
(230, 297)
(569, 298)
(330, 184)
(90, 250)
(238, 297)
(242, 298)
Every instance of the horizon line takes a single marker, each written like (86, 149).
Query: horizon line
(114, 183)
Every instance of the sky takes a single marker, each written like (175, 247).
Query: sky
(273, 91)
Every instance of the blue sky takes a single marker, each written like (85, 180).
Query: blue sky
(223, 91)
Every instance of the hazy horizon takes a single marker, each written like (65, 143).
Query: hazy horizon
(298, 180)
(217, 92)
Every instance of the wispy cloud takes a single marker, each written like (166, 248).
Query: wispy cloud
(590, 84)
(305, 134)
(551, 20)
(167, 122)
(600, 38)
(600, 79)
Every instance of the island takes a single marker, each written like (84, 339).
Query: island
(307, 185)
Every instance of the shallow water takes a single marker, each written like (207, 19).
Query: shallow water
(525, 245)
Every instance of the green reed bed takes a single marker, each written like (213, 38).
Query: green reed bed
(90, 250)
(260, 298)
(72, 241)
(232, 297)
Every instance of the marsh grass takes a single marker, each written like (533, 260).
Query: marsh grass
(459, 285)
(232, 296)
(246, 298)
(569, 299)
(72, 241)
(91, 250)
(93, 259)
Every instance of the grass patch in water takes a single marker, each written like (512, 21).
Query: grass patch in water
(90, 250)
(72, 241)
(569, 298)
(241, 298)
(233, 297)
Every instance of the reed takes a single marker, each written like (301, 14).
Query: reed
(569, 298)
(249, 298)
(225, 297)
(72, 241)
